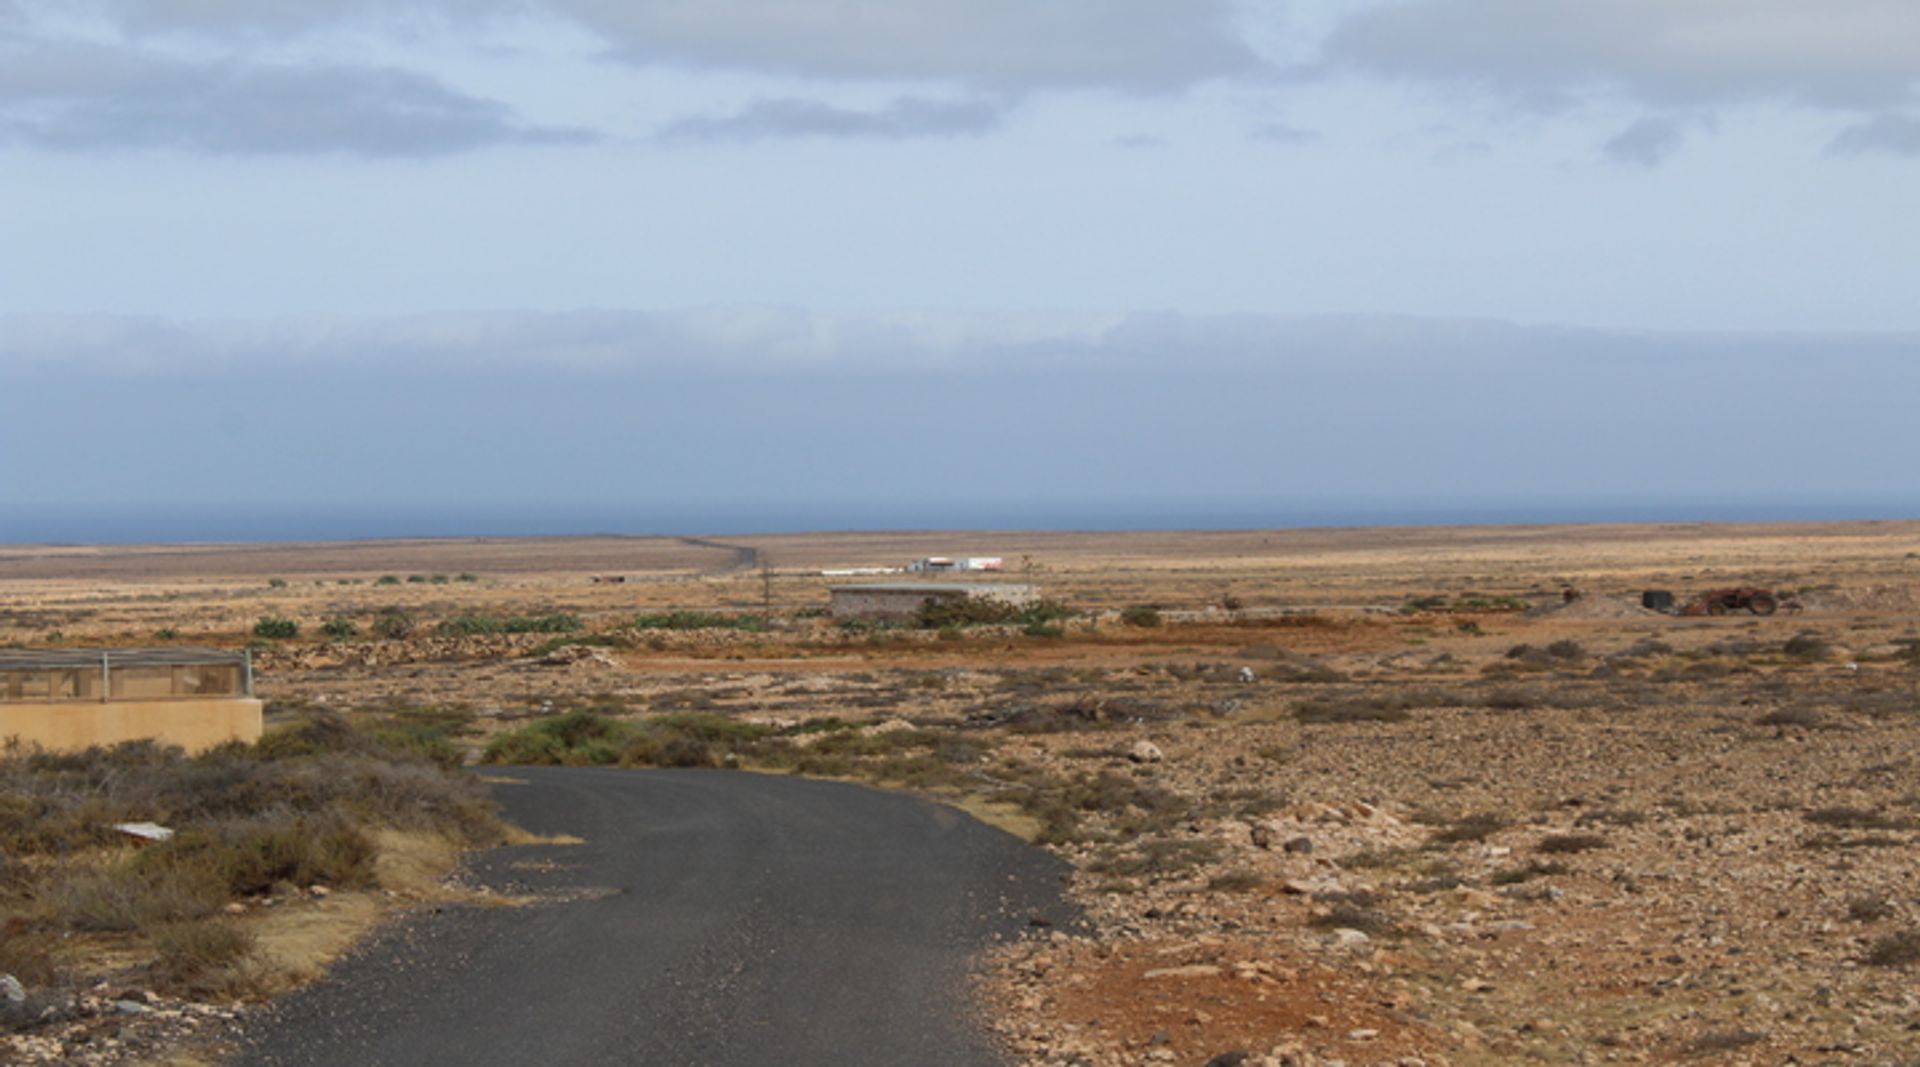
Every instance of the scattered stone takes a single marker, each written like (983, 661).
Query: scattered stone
(1192, 970)
(1145, 752)
(1477, 899)
(1347, 937)
(1300, 846)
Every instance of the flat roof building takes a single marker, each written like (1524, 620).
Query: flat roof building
(67, 699)
(883, 600)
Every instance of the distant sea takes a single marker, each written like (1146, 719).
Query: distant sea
(231, 522)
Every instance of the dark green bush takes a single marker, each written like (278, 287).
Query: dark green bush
(275, 628)
(1562, 844)
(699, 620)
(392, 624)
(1384, 708)
(1900, 949)
(469, 625)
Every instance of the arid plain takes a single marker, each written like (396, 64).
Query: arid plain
(1381, 796)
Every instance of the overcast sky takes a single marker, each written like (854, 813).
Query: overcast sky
(740, 251)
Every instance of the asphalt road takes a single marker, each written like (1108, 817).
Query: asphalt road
(712, 918)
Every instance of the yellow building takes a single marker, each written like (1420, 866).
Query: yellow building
(74, 698)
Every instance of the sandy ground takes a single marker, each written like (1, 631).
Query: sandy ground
(1504, 829)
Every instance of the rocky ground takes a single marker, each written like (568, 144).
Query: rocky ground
(1548, 833)
(1578, 836)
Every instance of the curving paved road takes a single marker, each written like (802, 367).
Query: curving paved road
(712, 918)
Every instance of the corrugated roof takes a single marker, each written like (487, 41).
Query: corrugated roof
(54, 659)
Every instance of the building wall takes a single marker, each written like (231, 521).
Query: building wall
(195, 725)
(899, 603)
(879, 604)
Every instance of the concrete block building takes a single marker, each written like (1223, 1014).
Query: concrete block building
(898, 600)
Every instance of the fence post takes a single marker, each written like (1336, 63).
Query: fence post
(106, 676)
(248, 653)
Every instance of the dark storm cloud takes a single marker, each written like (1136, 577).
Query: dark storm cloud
(80, 97)
(904, 118)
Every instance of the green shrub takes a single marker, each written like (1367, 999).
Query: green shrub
(1471, 828)
(1808, 647)
(388, 579)
(1563, 844)
(165, 633)
(586, 640)
(392, 624)
(1143, 615)
(340, 629)
(251, 859)
(276, 583)
(556, 740)
(588, 737)
(699, 620)
(1900, 949)
(272, 627)
(469, 625)
(1388, 708)
(685, 752)
(937, 613)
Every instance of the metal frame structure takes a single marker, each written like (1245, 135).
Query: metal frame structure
(107, 660)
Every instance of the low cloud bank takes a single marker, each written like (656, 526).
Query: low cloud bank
(738, 406)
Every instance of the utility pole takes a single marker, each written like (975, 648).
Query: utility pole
(766, 588)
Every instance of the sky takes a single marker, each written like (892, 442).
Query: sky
(759, 263)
